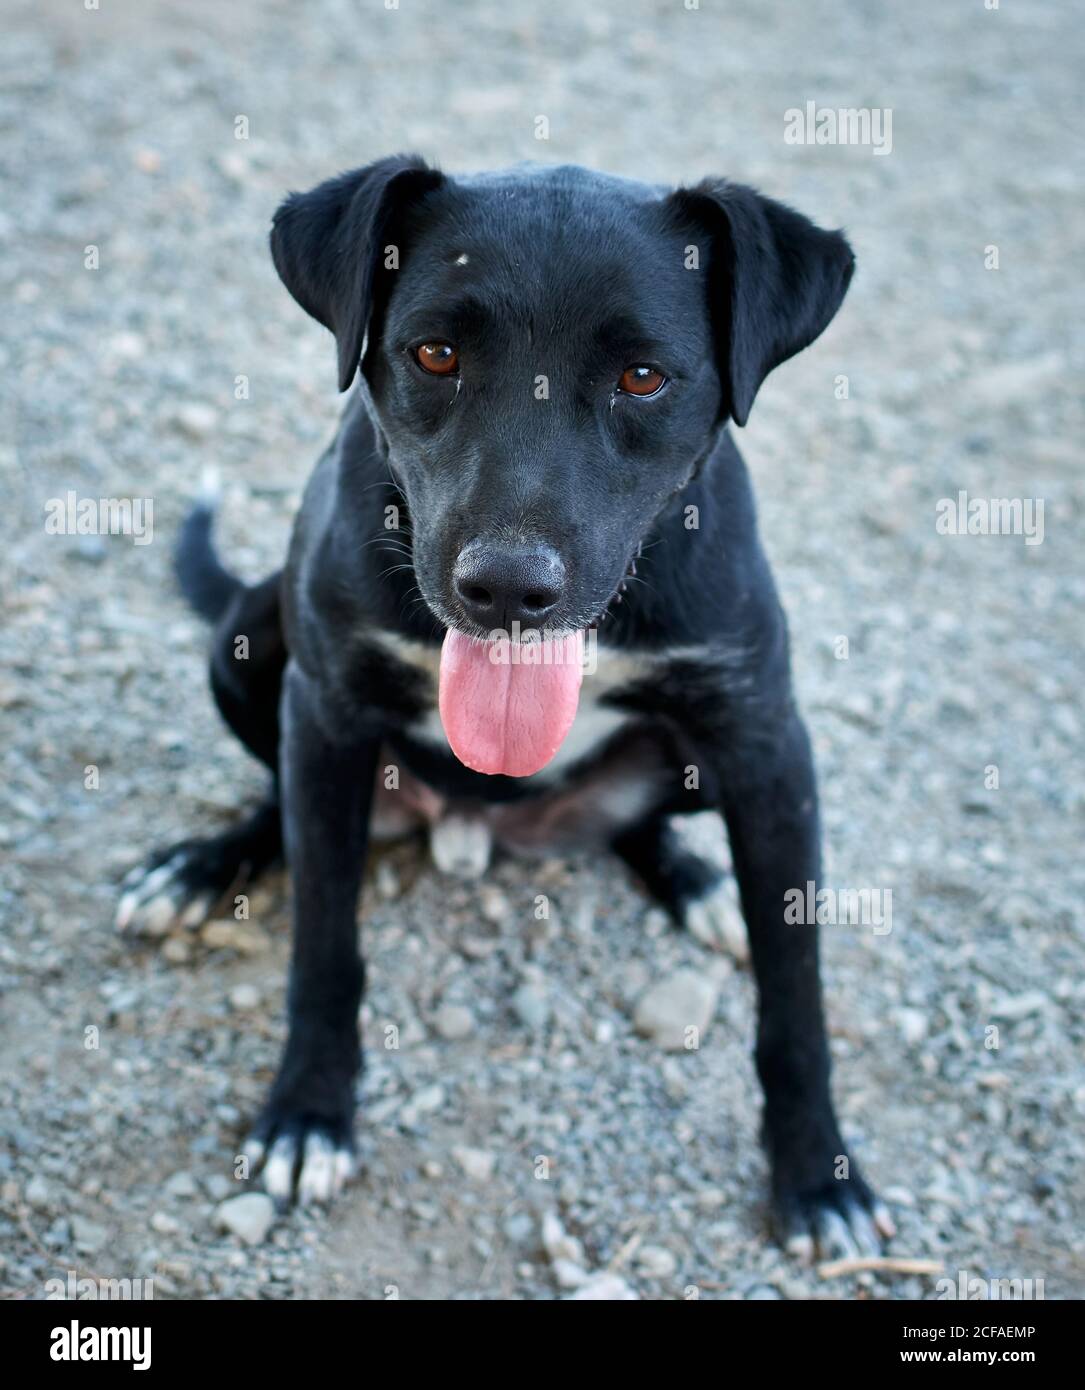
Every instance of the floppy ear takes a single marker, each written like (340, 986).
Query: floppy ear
(775, 279)
(328, 244)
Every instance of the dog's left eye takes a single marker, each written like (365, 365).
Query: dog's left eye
(439, 359)
(641, 381)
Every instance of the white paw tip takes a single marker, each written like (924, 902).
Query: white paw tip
(460, 846)
(126, 910)
(279, 1169)
(716, 921)
(196, 912)
(317, 1178)
(157, 916)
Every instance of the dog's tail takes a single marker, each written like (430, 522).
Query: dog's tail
(205, 582)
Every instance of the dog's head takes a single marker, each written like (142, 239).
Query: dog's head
(549, 355)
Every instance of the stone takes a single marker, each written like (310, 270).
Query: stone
(454, 1022)
(557, 1242)
(531, 1007)
(250, 1216)
(676, 1012)
(476, 1164)
(244, 998)
(656, 1262)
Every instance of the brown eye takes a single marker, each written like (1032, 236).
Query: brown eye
(440, 359)
(641, 381)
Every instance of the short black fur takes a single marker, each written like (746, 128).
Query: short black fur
(561, 276)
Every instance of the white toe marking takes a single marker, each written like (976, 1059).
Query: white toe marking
(152, 901)
(157, 878)
(125, 909)
(461, 845)
(156, 917)
(344, 1168)
(317, 1179)
(716, 920)
(196, 912)
(279, 1170)
(801, 1247)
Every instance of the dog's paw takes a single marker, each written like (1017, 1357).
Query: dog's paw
(301, 1155)
(177, 887)
(461, 846)
(841, 1219)
(716, 920)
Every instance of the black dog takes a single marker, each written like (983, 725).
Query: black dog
(548, 361)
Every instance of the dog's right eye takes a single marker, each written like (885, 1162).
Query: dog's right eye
(439, 359)
(641, 381)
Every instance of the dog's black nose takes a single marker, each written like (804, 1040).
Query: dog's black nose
(500, 585)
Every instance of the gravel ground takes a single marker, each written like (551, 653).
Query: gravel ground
(516, 1038)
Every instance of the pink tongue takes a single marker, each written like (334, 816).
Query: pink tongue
(507, 706)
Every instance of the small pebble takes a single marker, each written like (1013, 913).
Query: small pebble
(250, 1216)
(656, 1262)
(531, 1007)
(454, 1022)
(244, 998)
(476, 1164)
(676, 1012)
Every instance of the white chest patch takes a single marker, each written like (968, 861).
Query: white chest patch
(562, 815)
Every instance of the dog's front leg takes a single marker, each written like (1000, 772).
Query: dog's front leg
(769, 798)
(305, 1131)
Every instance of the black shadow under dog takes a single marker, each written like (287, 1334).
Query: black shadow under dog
(532, 542)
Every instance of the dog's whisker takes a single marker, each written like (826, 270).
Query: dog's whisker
(388, 544)
(395, 569)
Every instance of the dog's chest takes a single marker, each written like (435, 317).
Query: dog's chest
(596, 783)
